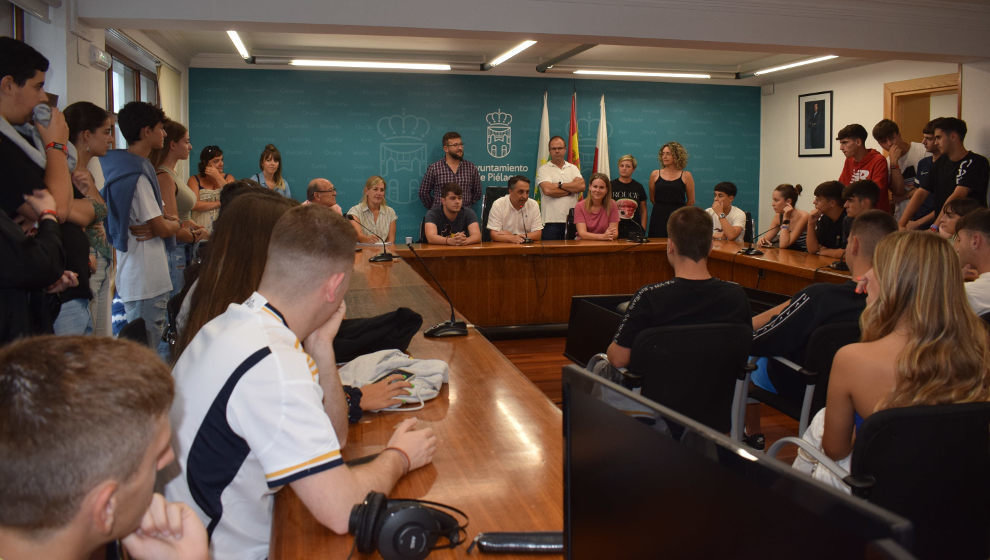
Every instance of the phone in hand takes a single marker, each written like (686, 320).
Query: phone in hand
(406, 375)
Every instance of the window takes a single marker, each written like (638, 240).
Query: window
(127, 81)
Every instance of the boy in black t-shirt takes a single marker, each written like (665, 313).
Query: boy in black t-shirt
(692, 297)
(451, 223)
(826, 225)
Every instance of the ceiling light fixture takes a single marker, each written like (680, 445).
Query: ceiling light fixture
(794, 64)
(238, 44)
(367, 64)
(509, 54)
(694, 76)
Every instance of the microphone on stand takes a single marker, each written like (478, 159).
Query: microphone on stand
(748, 238)
(638, 236)
(526, 238)
(384, 256)
(453, 327)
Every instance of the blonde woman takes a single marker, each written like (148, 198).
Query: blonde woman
(597, 216)
(671, 187)
(373, 213)
(921, 345)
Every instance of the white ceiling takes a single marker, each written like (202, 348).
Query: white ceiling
(213, 49)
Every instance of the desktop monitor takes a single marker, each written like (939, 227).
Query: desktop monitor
(633, 491)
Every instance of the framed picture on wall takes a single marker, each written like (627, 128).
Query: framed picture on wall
(815, 124)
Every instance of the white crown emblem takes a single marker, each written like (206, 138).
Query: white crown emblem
(403, 127)
(498, 117)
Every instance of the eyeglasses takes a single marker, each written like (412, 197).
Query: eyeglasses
(457, 145)
(331, 190)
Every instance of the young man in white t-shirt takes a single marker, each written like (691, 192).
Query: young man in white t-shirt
(728, 222)
(903, 158)
(259, 403)
(137, 228)
(972, 242)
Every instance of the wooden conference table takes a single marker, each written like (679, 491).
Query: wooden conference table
(500, 452)
(501, 284)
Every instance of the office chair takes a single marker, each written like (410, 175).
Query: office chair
(491, 195)
(136, 331)
(824, 342)
(677, 368)
(929, 464)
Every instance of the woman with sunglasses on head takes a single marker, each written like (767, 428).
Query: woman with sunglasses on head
(206, 185)
(270, 175)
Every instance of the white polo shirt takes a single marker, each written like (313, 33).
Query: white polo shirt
(504, 217)
(555, 209)
(248, 419)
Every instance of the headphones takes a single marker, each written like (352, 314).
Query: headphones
(403, 529)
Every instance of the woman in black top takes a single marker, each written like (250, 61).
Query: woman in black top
(671, 187)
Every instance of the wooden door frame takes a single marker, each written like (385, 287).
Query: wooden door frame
(929, 84)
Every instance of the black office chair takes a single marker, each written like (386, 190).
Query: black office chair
(422, 231)
(929, 464)
(824, 342)
(678, 369)
(986, 317)
(491, 195)
(136, 331)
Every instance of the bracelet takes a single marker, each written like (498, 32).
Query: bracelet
(404, 456)
(353, 397)
(57, 146)
(49, 212)
(785, 226)
(934, 228)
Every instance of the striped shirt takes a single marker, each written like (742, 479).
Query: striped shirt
(248, 419)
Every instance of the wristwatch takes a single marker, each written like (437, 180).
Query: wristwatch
(560, 185)
(721, 216)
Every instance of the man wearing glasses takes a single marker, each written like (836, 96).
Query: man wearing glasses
(453, 168)
(321, 191)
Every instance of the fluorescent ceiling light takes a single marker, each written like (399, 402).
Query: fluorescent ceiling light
(238, 44)
(794, 64)
(364, 64)
(511, 53)
(644, 74)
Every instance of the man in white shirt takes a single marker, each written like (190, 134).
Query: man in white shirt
(515, 218)
(561, 183)
(973, 245)
(728, 222)
(903, 158)
(259, 403)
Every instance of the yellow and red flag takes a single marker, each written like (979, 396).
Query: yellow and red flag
(573, 153)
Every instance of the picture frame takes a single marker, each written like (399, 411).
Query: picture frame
(815, 124)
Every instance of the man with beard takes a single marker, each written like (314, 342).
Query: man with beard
(453, 168)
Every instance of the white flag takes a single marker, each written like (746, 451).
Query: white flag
(543, 151)
(601, 145)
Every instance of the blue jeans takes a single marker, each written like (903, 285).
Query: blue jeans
(99, 306)
(152, 310)
(553, 231)
(177, 260)
(74, 318)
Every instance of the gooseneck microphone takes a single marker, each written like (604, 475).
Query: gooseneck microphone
(453, 327)
(637, 236)
(526, 238)
(748, 238)
(384, 256)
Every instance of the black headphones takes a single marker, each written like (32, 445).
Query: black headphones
(403, 529)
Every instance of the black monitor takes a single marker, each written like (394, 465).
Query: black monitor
(633, 491)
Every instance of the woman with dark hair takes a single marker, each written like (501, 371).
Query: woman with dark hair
(270, 175)
(921, 345)
(241, 238)
(671, 187)
(177, 198)
(91, 131)
(788, 227)
(206, 185)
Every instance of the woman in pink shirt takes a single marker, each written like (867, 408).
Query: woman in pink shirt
(597, 216)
